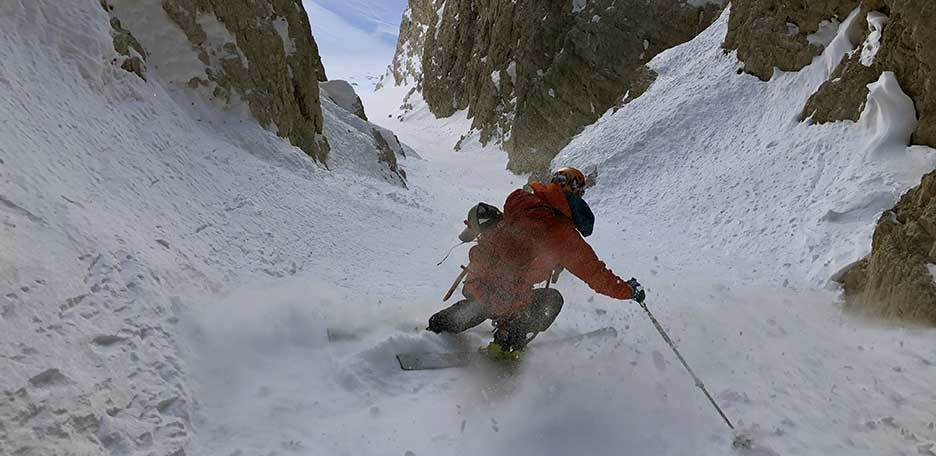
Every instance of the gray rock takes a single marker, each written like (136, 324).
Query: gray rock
(389, 149)
(342, 94)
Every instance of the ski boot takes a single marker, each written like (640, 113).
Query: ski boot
(506, 345)
(498, 352)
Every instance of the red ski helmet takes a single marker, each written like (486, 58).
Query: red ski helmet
(571, 180)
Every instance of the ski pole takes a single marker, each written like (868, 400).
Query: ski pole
(695, 377)
(458, 281)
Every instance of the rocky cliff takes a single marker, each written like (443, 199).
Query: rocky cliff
(532, 74)
(779, 34)
(888, 35)
(406, 67)
(260, 55)
(898, 280)
(342, 94)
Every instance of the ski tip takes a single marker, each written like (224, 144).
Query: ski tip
(404, 362)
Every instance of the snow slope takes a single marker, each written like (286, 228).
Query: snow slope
(169, 272)
(786, 364)
(119, 198)
(722, 162)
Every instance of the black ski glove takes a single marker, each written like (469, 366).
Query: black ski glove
(637, 292)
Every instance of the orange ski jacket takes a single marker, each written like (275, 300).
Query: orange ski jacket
(536, 236)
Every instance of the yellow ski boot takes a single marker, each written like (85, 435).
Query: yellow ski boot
(495, 351)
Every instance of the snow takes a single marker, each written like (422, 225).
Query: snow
(282, 29)
(217, 35)
(932, 271)
(872, 44)
(889, 117)
(170, 270)
(579, 5)
(512, 72)
(828, 29)
(120, 201)
(726, 166)
(495, 78)
(440, 16)
(837, 48)
(169, 52)
(349, 136)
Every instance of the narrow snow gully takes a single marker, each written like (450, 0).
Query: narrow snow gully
(787, 365)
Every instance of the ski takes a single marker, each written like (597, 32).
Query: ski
(433, 361)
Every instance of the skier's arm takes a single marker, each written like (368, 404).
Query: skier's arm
(580, 259)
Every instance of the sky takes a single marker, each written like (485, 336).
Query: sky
(356, 38)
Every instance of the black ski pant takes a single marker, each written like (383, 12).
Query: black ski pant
(535, 318)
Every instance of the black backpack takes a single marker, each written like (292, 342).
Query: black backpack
(481, 218)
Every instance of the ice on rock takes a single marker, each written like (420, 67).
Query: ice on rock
(840, 44)
(512, 72)
(826, 33)
(871, 46)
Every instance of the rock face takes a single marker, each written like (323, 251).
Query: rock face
(406, 67)
(532, 74)
(261, 53)
(780, 33)
(342, 94)
(897, 280)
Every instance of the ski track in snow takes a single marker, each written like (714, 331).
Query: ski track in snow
(170, 272)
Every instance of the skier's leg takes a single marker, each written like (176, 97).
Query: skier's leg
(547, 303)
(537, 317)
(461, 316)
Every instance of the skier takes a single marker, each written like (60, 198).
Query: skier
(540, 232)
